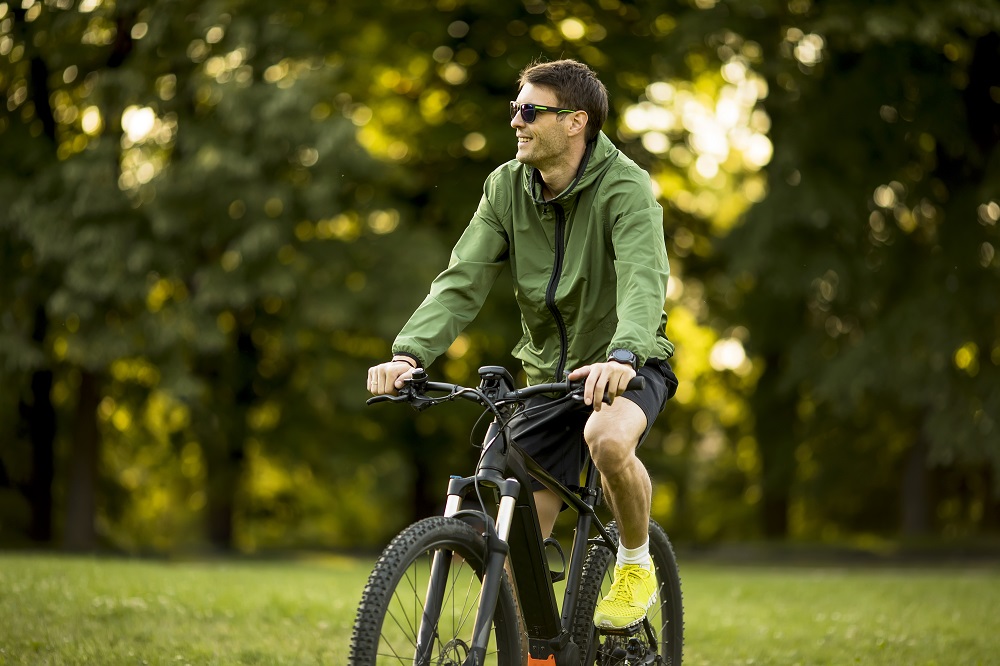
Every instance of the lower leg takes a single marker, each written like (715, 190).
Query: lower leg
(634, 587)
(612, 436)
(629, 491)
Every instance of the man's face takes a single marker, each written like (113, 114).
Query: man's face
(544, 142)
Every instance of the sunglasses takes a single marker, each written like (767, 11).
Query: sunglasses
(528, 111)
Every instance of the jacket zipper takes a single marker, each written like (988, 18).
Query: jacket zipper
(550, 292)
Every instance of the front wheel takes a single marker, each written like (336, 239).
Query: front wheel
(665, 617)
(420, 602)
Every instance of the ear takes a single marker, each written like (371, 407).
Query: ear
(576, 123)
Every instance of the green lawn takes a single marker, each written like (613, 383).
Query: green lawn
(68, 610)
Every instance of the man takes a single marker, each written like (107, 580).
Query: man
(580, 228)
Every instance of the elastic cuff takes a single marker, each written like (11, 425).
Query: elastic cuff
(410, 356)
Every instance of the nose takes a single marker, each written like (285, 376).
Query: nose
(517, 121)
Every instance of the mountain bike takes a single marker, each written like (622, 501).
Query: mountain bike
(440, 593)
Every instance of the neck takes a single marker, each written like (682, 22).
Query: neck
(557, 178)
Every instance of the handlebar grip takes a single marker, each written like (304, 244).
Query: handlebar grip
(635, 384)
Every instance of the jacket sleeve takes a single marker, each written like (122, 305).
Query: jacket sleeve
(458, 293)
(641, 264)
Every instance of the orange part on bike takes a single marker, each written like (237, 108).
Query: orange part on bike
(534, 661)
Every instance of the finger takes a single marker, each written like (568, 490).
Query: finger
(600, 388)
(371, 380)
(401, 379)
(617, 385)
(588, 387)
(385, 380)
(580, 373)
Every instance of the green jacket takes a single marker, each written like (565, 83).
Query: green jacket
(589, 266)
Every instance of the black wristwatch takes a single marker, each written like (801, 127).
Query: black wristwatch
(624, 356)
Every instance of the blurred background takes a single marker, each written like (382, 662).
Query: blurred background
(217, 215)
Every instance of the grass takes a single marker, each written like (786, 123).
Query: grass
(62, 610)
(76, 610)
(926, 617)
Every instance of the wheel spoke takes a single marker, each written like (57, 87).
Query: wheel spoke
(662, 631)
(468, 608)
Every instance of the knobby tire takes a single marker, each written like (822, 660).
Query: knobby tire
(666, 615)
(386, 627)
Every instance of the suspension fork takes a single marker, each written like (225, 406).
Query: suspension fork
(492, 465)
(496, 534)
(496, 556)
(433, 602)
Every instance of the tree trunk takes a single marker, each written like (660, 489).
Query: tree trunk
(991, 509)
(81, 509)
(430, 483)
(914, 507)
(223, 473)
(40, 417)
(42, 429)
(233, 395)
(775, 425)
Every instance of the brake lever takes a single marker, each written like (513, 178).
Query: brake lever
(412, 391)
(386, 398)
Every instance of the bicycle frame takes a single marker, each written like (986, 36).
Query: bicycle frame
(515, 531)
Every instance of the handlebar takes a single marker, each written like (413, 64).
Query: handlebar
(416, 389)
(637, 383)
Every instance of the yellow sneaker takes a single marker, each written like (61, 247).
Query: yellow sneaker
(632, 593)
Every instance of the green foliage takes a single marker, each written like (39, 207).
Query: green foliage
(884, 176)
(224, 211)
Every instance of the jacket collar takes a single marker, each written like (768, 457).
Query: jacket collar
(598, 151)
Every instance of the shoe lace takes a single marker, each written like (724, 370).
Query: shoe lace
(624, 583)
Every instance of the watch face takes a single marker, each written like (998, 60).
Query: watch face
(623, 356)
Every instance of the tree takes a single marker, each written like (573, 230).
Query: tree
(881, 188)
(220, 214)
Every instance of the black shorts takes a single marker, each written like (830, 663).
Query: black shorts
(554, 437)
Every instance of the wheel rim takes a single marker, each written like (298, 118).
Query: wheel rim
(452, 633)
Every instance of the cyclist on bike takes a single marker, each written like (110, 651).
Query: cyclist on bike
(582, 233)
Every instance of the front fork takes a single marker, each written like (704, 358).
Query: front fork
(496, 548)
(433, 602)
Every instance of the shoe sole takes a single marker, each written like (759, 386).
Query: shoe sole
(607, 625)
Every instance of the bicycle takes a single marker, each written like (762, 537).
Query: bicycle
(418, 605)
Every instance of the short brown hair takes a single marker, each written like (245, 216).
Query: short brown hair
(575, 85)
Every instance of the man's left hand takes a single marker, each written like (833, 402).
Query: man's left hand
(610, 378)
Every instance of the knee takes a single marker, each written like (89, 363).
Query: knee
(610, 447)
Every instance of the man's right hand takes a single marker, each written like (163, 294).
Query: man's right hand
(389, 377)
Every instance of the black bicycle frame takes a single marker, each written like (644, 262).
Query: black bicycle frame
(505, 468)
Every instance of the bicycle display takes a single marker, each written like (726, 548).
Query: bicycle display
(440, 594)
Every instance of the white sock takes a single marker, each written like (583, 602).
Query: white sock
(638, 556)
